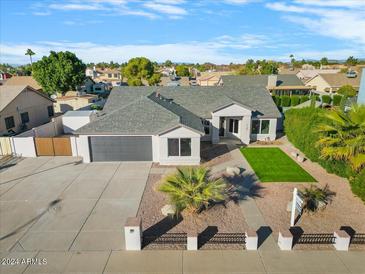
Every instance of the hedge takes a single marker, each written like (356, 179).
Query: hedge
(295, 100)
(285, 101)
(304, 98)
(336, 100)
(277, 100)
(326, 99)
(358, 185)
(299, 127)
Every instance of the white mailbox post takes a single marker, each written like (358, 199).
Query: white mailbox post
(133, 233)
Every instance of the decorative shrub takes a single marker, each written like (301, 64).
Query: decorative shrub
(358, 185)
(304, 98)
(276, 99)
(285, 101)
(336, 100)
(326, 99)
(295, 100)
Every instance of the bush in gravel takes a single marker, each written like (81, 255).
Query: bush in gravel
(294, 100)
(315, 198)
(326, 99)
(193, 189)
(285, 101)
(336, 100)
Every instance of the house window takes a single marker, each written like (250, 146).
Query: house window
(206, 125)
(233, 125)
(50, 111)
(110, 75)
(24, 117)
(115, 75)
(9, 122)
(179, 147)
(260, 126)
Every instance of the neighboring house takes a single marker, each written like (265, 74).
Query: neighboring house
(332, 82)
(4, 76)
(172, 81)
(23, 107)
(90, 86)
(24, 80)
(73, 100)
(211, 78)
(282, 84)
(307, 74)
(107, 75)
(167, 124)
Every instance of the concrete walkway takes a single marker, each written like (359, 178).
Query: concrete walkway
(192, 262)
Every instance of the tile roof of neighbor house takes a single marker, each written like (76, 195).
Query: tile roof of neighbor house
(9, 93)
(136, 110)
(340, 79)
(23, 80)
(261, 80)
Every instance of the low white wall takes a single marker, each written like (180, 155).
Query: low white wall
(82, 143)
(180, 132)
(73, 141)
(51, 129)
(23, 146)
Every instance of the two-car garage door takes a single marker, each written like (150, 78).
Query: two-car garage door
(120, 148)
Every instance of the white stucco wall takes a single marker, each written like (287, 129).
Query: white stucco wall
(82, 143)
(271, 135)
(180, 132)
(23, 146)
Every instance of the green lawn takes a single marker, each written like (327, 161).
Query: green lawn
(273, 165)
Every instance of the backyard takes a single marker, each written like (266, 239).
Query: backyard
(273, 165)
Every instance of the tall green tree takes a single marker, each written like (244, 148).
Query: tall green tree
(30, 53)
(324, 61)
(182, 70)
(59, 72)
(193, 189)
(343, 136)
(137, 69)
(347, 90)
(155, 79)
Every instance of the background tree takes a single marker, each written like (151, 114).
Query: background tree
(137, 69)
(324, 61)
(30, 53)
(343, 136)
(168, 63)
(155, 79)
(182, 70)
(347, 90)
(59, 72)
(351, 61)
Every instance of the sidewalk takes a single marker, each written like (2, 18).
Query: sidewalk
(197, 262)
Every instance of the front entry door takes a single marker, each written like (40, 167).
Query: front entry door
(222, 122)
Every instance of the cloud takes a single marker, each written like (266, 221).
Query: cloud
(166, 9)
(41, 13)
(327, 18)
(239, 2)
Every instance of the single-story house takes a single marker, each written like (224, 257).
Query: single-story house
(307, 74)
(167, 124)
(74, 100)
(24, 81)
(22, 108)
(281, 84)
(332, 82)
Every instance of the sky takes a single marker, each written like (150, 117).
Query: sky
(196, 31)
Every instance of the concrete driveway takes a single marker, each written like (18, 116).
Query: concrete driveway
(95, 200)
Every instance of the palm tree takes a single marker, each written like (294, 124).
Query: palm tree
(315, 198)
(30, 53)
(343, 136)
(193, 189)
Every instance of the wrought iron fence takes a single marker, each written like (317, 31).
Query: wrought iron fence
(166, 238)
(316, 238)
(358, 238)
(223, 238)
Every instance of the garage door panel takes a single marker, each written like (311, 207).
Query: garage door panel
(121, 148)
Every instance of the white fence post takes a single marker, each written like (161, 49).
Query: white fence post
(192, 240)
(342, 241)
(133, 233)
(251, 240)
(285, 240)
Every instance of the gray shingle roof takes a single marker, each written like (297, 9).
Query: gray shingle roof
(261, 80)
(137, 110)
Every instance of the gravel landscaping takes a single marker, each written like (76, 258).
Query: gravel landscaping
(222, 218)
(345, 210)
